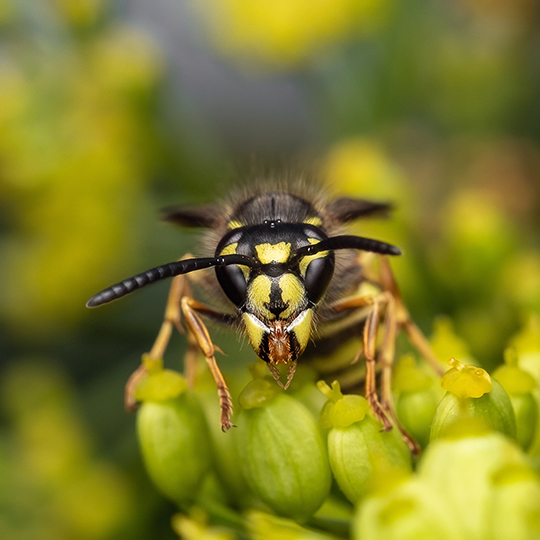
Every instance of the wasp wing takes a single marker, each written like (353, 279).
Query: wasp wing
(206, 216)
(345, 209)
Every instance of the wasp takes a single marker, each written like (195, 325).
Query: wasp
(289, 278)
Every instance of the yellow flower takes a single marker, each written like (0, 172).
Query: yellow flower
(286, 32)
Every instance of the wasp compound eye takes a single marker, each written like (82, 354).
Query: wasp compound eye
(319, 272)
(233, 283)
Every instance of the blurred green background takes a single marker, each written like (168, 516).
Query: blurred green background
(111, 110)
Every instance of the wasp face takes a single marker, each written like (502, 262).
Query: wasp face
(277, 296)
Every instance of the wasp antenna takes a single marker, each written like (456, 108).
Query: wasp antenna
(348, 242)
(162, 272)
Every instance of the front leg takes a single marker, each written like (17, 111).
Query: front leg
(171, 319)
(202, 341)
(180, 303)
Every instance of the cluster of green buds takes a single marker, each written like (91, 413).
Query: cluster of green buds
(314, 463)
(474, 485)
(473, 480)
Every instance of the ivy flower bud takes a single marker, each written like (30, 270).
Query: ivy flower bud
(462, 471)
(173, 435)
(417, 399)
(520, 386)
(472, 395)
(282, 454)
(515, 492)
(224, 455)
(412, 510)
(363, 457)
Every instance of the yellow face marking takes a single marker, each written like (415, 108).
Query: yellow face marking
(292, 293)
(301, 326)
(268, 253)
(255, 330)
(316, 221)
(259, 294)
(234, 224)
(230, 249)
(306, 260)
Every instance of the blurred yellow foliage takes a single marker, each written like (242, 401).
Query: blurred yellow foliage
(521, 279)
(287, 32)
(362, 167)
(6, 11)
(71, 135)
(51, 461)
(195, 527)
(475, 221)
(447, 344)
(79, 12)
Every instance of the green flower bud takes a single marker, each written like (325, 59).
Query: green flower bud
(340, 410)
(473, 395)
(526, 409)
(363, 457)
(159, 384)
(281, 451)
(514, 510)
(413, 510)
(527, 344)
(225, 457)
(461, 470)
(417, 399)
(520, 386)
(173, 437)
(512, 377)
(303, 388)
(415, 411)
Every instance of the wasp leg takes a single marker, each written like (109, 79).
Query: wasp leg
(191, 309)
(356, 305)
(180, 289)
(387, 354)
(396, 317)
(386, 359)
(383, 408)
(414, 334)
(171, 319)
(370, 335)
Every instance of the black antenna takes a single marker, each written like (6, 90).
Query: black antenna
(162, 272)
(347, 242)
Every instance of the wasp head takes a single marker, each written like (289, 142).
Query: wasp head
(278, 295)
